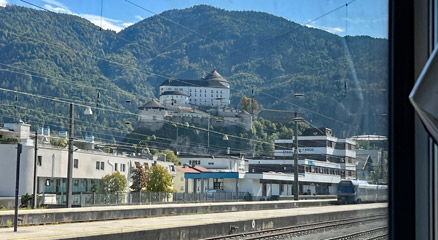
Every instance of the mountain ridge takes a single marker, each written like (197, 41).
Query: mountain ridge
(132, 63)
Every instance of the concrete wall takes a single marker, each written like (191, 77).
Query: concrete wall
(8, 163)
(31, 217)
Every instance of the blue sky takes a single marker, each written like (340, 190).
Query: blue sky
(361, 17)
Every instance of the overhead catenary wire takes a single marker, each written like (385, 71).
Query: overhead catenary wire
(109, 141)
(148, 72)
(277, 146)
(261, 92)
(128, 113)
(312, 111)
(39, 75)
(134, 114)
(124, 39)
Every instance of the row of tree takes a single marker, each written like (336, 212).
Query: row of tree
(153, 179)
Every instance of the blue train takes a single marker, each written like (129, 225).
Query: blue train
(356, 191)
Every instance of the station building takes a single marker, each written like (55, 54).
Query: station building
(319, 144)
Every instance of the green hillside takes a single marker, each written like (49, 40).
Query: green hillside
(343, 79)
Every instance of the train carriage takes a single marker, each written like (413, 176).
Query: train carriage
(356, 191)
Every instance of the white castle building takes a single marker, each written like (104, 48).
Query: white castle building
(195, 102)
(212, 91)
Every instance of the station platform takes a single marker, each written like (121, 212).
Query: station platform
(86, 214)
(193, 226)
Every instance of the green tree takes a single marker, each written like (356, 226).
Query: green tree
(115, 182)
(171, 157)
(378, 176)
(249, 104)
(139, 178)
(159, 179)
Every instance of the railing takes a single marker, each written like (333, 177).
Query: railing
(135, 198)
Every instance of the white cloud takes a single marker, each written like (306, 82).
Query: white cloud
(335, 30)
(56, 3)
(364, 21)
(138, 17)
(127, 24)
(57, 9)
(105, 23)
(3, 3)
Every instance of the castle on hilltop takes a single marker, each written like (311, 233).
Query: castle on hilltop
(195, 102)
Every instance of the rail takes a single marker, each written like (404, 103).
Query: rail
(299, 230)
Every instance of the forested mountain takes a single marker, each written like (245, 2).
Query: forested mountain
(343, 79)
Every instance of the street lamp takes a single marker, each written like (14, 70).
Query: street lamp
(208, 135)
(225, 138)
(296, 120)
(296, 182)
(70, 153)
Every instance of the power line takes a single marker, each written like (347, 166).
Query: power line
(190, 127)
(133, 114)
(309, 110)
(213, 39)
(170, 20)
(284, 33)
(218, 147)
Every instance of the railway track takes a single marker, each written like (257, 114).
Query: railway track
(365, 234)
(299, 230)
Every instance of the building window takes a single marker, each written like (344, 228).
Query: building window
(122, 167)
(75, 163)
(40, 161)
(115, 167)
(76, 183)
(102, 165)
(211, 163)
(97, 165)
(218, 183)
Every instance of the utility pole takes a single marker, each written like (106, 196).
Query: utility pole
(35, 178)
(296, 194)
(208, 135)
(17, 185)
(70, 158)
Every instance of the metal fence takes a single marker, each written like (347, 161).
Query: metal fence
(128, 198)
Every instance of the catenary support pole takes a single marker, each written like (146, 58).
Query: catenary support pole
(296, 194)
(70, 158)
(17, 186)
(35, 178)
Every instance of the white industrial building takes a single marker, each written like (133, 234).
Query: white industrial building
(89, 166)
